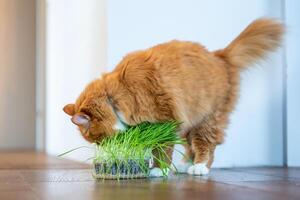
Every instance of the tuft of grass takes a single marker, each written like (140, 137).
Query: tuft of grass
(137, 144)
(133, 149)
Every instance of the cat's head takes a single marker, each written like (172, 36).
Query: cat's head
(118, 96)
(93, 113)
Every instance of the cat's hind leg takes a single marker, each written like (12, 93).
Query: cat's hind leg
(204, 139)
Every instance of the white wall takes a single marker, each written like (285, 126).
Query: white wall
(293, 80)
(255, 134)
(76, 54)
(17, 74)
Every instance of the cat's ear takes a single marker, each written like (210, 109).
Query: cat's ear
(69, 109)
(81, 119)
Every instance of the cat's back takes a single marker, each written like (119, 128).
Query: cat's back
(177, 47)
(189, 74)
(187, 66)
(188, 63)
(195, 77)
(186, 58)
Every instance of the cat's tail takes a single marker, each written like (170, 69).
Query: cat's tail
(260, 37)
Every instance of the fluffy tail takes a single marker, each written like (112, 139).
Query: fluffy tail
(260, 37)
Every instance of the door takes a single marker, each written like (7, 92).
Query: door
(17, 74)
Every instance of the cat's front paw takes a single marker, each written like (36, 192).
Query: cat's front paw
(157, 172)
(183, 167)
(198, 169)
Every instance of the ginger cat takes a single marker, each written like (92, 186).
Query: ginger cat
(175, 81)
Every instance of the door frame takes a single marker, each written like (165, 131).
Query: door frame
(41, 29)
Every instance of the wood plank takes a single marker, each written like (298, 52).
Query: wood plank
(286, 189)
(12, 181)
(57, 175)
(183, 188)
(28, 175)
(14, 195)
(291, 173)
(13, 186)
(30, 160)
(229, 175)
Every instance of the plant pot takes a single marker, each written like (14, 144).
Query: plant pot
(121, 169)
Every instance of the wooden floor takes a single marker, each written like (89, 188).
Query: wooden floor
(31, 176)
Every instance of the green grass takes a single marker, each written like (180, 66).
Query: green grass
(138, 143)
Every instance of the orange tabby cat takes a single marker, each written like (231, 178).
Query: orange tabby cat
(175, 81)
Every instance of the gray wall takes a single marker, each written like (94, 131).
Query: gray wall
(17, 74)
